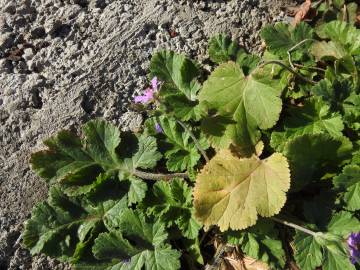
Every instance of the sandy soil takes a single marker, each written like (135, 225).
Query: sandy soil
(63, 62)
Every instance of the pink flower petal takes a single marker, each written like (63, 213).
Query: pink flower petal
(140, 99)
(146, 97)
(154, 84)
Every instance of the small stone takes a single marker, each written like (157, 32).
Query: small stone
(20, 21)
(10, 8)
(97, 4)
(3, 116)
(35, 65)
(6, 40)
(127, 7)
(51, 26)
(28, 54)
(4, 27)
(21, 67)
(5, 65)
(184, 32)
(38, 32)
(81, 3)
(131, 121)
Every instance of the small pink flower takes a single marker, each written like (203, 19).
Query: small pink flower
(146, 97)
(149, 92)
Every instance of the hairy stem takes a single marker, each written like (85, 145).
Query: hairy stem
(197, 144)
(158, 176)
(278, 62)
(300, 43)
(294, 226)
(294, 47)
(310, 68)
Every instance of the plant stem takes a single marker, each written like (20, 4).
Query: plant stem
(278, 62)
(313, 68)
(17, 242)
(158, 176)
(294, 47)
(294, 226)
(197, 144)
(289, 258)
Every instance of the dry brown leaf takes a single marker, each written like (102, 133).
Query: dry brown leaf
(236, 260)
(302, 12)
(232, 258)
(245, 263)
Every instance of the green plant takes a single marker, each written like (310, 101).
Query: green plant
(264, 153)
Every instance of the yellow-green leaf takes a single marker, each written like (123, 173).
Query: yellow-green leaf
(249, 102)
(232, 192)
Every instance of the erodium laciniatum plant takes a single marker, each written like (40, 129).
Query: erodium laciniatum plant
(254, 165)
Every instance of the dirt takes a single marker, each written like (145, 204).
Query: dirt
(63, 62)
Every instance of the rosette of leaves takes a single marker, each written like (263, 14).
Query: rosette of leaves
(93, 234)
(81, 165)
(86, 220)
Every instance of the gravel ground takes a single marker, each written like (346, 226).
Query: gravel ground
(63, 62)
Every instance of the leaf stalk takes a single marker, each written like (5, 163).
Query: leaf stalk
(197, 144)
(294, 47)
(158, 176)
(294, 226)
(280, 63)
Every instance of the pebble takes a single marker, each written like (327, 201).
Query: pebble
(5, 65)
(6, 40)
(28, 54)
(10, 7)
(52, 25)
(38, 32)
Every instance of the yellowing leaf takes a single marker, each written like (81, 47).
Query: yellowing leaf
(232, 192)
(323, 50)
